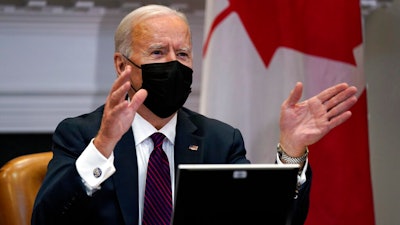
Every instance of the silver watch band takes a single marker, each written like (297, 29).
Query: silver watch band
(285, 158)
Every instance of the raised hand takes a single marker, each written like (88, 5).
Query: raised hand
(304, 123)
(118, 113)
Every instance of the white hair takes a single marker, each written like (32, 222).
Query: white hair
(123, 35)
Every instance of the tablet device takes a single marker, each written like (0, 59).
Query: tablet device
(234, 194)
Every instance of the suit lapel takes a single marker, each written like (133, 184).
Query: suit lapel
(189, 148)
(126, 177)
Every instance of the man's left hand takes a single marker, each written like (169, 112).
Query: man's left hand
(304, 123)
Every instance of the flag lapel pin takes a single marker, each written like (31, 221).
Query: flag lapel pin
(193, 147)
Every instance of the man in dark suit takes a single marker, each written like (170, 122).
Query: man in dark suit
(98, 171)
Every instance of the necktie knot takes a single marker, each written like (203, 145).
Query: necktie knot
(158, 139)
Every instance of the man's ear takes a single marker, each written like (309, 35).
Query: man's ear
(119, 63)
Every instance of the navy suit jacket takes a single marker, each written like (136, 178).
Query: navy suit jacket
(62, 198)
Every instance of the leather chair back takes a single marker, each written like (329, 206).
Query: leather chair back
(20, 180)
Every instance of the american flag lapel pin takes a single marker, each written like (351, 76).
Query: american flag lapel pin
(193, 147)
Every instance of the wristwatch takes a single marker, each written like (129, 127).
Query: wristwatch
(288, 159)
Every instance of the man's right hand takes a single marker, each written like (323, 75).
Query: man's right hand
(118, 113)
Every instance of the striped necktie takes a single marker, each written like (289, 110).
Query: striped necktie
(157, 208)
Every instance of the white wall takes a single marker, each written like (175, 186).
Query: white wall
(382, 69)
(54, 66)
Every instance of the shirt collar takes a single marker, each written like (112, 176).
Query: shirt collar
(142, 129)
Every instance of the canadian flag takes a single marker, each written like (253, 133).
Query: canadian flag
(254, 53)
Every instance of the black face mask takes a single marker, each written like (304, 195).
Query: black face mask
(167, 84)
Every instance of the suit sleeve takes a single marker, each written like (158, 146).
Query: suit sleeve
(301, 203)
(62, 190)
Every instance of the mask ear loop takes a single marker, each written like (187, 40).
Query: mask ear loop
(131, 62)
(135, 66)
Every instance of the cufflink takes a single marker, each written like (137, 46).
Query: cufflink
(97, 172)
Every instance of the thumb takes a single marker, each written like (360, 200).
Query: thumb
(295, 95)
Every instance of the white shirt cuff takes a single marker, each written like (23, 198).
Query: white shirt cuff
(94, 168)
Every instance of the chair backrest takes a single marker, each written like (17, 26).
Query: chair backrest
(20, 180)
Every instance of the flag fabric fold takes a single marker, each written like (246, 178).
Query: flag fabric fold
(253, 54)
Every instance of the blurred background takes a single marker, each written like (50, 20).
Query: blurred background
(56, 61)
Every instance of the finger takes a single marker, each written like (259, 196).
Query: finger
(138, 99)
(120, 87)
(327, 94)
(119, 95)
(122, 79)
(336, 121)
(340, 97)
(341, 107)
(295, 95)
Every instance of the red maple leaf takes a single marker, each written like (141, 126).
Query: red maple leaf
(324, 28)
